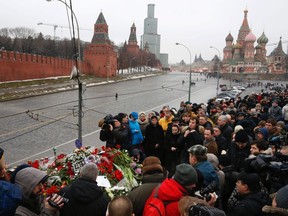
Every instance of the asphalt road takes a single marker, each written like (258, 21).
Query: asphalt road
(30, 128)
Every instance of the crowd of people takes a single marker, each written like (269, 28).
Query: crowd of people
(229, 157)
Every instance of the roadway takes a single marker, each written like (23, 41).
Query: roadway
(31, 127)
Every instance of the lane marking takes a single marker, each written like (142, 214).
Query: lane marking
(86, 135)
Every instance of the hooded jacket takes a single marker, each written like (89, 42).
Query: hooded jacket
(85, 198)
(27, 179)
(137, 137)
(170, 191)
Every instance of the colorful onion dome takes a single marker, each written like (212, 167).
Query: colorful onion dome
(258, 46)
(229, 37)
(262, 39)
(237, 46)
(250, 37)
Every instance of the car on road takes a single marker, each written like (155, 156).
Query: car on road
(242, 88)
(226, 96)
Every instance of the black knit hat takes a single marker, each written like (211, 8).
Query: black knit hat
(118, 118)
(241, 136)
(282, 198)
(185, 174)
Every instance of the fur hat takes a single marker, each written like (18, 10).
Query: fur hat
(241, 136)
(198, 150)
(282, 198)
(185, 174)
(151, 163)
(142, 114)
(134, 115)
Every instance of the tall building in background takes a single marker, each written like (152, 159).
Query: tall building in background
(151, 39)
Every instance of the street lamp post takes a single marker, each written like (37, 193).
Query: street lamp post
(218, 74)
(80, 85)
(190, 71)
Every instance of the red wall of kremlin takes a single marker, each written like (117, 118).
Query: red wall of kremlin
(23, 66)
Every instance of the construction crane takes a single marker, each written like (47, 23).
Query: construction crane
(275, 44)
(55, 26)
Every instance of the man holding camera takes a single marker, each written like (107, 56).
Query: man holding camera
(31, 180)
(115, 133)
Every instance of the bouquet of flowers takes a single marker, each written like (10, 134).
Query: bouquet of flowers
(119, 168)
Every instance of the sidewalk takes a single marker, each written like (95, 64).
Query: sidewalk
(23, 89)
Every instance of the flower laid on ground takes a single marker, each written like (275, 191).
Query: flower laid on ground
(116, 191)
(119, 168)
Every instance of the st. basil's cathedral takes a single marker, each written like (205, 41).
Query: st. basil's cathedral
(244, 57)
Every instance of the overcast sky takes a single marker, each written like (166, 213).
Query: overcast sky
(198, 24)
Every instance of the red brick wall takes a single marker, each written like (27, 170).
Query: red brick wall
(102, 60)
(23, 66)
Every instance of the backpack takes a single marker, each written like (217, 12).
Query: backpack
(154, 206)
(201, 210)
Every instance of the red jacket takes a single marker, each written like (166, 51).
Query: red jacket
(171, 191)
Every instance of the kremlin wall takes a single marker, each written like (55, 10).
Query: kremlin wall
(100, 57)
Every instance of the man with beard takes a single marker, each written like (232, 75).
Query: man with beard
(30, 180)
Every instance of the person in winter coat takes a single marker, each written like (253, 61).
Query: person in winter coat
(173, 189)
(152, 175)
(220, 140)
(250, 199)
(154, 140)
(239, 150)
(33, 203)
(135, 130)
(115, 133)
(190, 137)
(85, 196)
(143, 122)
(226, 129)
(209, 141)
(164, 121)
(10, 194)
(275, 111)
(173, 149)
(198, 159)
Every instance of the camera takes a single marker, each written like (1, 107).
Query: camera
(278, 141)
(64, 200)
(205, 192)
